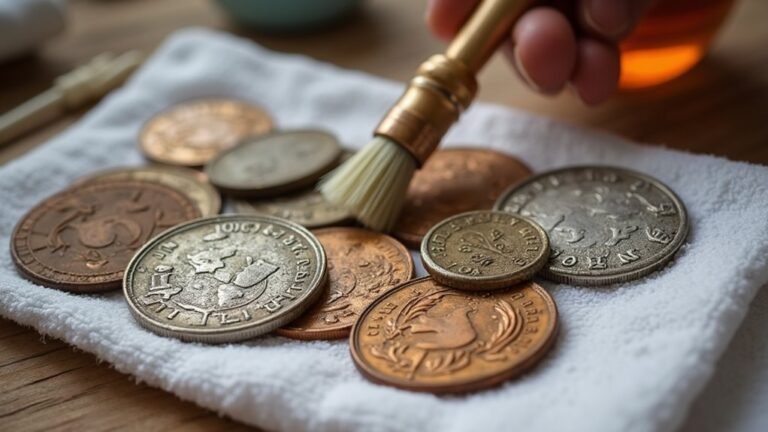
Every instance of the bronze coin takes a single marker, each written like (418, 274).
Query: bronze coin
(362, 265)
(82, 238)
(454, 181)
(191, 133)
(423, 336)
(484, 249)
(192, 183)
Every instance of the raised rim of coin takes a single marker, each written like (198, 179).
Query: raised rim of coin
(211, 206)
(341, 331)
(230, 334)
(307, 179)
(471, 385)
(615, 277)
(478, 283)
(149, 153)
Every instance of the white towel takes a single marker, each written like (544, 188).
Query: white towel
(25, 24)
(628, 358)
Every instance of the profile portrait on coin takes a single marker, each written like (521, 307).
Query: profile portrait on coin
(605, 224)
(424, 336)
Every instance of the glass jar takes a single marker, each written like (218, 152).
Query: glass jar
(670, 40)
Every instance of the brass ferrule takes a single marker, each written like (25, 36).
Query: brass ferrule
(445, 85)
(441, 90)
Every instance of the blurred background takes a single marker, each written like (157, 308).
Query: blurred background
(727, 91)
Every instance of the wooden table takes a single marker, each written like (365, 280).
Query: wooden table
(720, 108)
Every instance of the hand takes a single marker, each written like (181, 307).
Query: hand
(572, 42)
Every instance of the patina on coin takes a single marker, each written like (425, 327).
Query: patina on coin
(605, 224)
(191, 133)
(307, 208)
(81, 239)
(362, 265)
(192, 183)
(484, 249)
(454, 181)
(423, 336)
(276, 163)
(225, 278)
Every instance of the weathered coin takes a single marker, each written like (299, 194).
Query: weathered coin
(225, 278)
(81, 239)
(307, 208)
(423, 336)
(484, 249)
(192, 183)
(454, 181)
(191, 133)
(362, 265)
(276, 163)
(605, 224)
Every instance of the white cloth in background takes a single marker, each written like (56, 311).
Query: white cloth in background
(628, 358)
(25, 24)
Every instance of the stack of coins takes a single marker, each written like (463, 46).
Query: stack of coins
(485, 230)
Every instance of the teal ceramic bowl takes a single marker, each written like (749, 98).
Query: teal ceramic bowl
(287, 15)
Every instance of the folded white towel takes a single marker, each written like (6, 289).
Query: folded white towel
(628, 358)
(25, 24)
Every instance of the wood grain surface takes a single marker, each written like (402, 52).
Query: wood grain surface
(721, 108)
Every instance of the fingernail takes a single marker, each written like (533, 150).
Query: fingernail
(521, 69)
(611, 18)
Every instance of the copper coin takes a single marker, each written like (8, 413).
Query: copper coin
(192, 183)
(454, 181)
(82, 239)
(484, 249)
(423, 336)
(362, 265)
(192, 133)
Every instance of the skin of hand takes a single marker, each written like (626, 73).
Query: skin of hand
(563, 43)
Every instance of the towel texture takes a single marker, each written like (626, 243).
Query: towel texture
(629, 357)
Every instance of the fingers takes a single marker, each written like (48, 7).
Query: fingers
(596, 74)
(611, 19)
(544, 49)
(445, 17)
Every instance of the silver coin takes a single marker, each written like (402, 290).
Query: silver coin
(307, 208)
(605, 224)
(225, 278)
(273, 164)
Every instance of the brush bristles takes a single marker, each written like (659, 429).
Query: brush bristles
(372, 184)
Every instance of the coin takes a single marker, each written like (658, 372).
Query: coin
(485, 249)
(191, 133)
(605, 224)
(362, 265)
(454, 181)
(275, 163)
(192, 183)
(225, 278)
(81, 239)
(423, 336)
(307, 208)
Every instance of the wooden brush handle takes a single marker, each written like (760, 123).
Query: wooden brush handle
(486, 29)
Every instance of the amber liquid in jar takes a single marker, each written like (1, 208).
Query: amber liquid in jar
(670, 40)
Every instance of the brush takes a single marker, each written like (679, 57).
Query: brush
(373, 183)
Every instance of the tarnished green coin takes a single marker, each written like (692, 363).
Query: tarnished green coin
(191, 183)
(307, 208)
(273, 164)
(484, 249)
(225, 278)
(605, 224)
